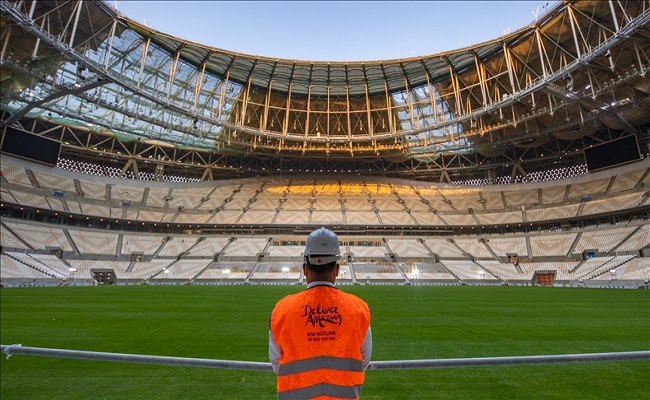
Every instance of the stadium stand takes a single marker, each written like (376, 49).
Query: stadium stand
(437, 169)
(18, 274)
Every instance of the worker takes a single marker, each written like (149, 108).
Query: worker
(320, 341)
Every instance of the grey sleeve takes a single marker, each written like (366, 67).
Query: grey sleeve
(366, 348)
(274, 352)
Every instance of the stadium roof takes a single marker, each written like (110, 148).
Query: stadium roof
(112, 89)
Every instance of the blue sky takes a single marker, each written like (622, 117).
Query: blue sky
(335, 30)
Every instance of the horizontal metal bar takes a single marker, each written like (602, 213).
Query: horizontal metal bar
(135, 358)
(500, 361)
(10, 350)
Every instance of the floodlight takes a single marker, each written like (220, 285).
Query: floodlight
(285, 269)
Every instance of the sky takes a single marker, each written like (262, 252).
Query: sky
(335, 30)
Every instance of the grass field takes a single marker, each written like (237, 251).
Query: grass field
(412, 322)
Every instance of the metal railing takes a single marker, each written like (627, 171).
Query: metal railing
(10, 350)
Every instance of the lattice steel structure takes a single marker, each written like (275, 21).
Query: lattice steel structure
(115, 91)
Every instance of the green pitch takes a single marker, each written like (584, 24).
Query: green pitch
(231, 323)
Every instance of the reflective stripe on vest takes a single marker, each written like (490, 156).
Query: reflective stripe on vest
(322, 389)
(310, 364)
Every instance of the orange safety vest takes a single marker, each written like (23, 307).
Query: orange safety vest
(320, 331)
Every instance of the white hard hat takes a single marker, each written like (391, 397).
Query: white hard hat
(322, 247)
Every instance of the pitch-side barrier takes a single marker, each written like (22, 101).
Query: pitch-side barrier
(10, 350)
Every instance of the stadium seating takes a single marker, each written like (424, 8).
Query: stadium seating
(45, 249)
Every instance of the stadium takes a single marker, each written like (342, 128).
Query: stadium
(139, 165)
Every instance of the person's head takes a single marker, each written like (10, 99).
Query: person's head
(322, 253)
